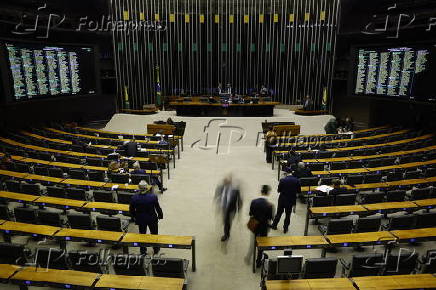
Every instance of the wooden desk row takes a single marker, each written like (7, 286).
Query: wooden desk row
(80, 154)
(417, 281)
(364, 169)
(103, 132)
(363, 209)
(36, 136)
(345, 240)
(116, 133)
(278, 153)
(126, 240)
(69, 165)
(66, 203)
(380, 185)
(31, 276)
(69, 181)
(112, 139)
(341, 136)
(379, 136)
(168, 152)
(375, 169)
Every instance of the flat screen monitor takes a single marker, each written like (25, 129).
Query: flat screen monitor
(289, 264)
(397, 72)
(36, 70)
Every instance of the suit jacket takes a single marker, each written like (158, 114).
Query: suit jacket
(293, 160)
(131, 149)
(235, 202)
(138, 171)
(302, 172)
(336, 191)
(145, 208)
(288, 188)
(262, 210)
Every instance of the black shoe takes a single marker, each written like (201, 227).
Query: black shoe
(274, 227)
(163, 189)
(224, 238)
(285, 231)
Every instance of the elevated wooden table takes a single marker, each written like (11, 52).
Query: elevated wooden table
(198, 109)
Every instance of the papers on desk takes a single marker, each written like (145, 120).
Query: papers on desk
(324, 188)
(114, 187)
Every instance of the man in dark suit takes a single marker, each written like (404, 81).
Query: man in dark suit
(302, 171)
(288, 188)
(131, 148)
(337, 189)
(146, 212)
(307, 103)
(228, 198)
(154, 179)
(293, 160)
(262, 211)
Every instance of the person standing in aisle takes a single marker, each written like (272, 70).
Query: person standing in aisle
(288, 188)
(146, 212)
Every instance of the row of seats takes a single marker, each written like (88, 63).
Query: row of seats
(80, 221)
(78, 173)
(82, 160)
(360, 265)
(319, 143)
(95, 262)
(371, 177)
(382, 148)
(372, 163)
(80, 142)
(180, 131)
(75, 193)
(374, 224)
(322, 200)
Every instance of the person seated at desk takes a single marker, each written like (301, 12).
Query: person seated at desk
(6, 162)
(118, 167)
(302, 171)
(130, 148)
(162, 140)
(114, 167)
(337, 189)
(331, 127)
(170, 121)
(307, 103)
(155, 179)
(114, 156)
(228, 90)
(348, 124)
(264, 92)
(293, 160)
(220, 89)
